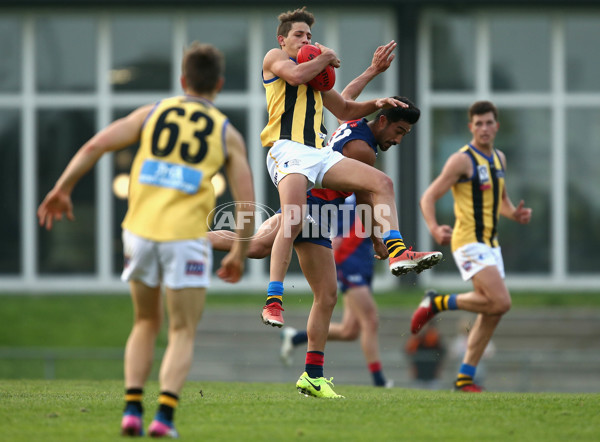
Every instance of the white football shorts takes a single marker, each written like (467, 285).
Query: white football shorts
(179, 264)
(473, 257)
(286, 157)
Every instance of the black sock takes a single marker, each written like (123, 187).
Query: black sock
(167, 404)
(133, 400)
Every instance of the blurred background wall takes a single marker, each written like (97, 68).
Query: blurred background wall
(71, 67)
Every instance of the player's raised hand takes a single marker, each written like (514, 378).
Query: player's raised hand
(388, 102)
(522, 214)
(55, 205)
(383, 57)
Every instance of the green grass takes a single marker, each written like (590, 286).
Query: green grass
(74, 407)
(83, 336)
(216, 411)
(105, 320)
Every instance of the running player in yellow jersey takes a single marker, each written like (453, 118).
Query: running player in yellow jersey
(184, 141)
(297, 161)
(476, 175)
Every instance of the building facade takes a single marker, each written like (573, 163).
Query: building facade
(69, 68)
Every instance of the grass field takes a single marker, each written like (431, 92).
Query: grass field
(212, 411)
(104, 320)
(82, 336)
(85, 400)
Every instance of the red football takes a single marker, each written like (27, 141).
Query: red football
(324, 80)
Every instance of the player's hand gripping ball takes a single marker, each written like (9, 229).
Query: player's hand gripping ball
(325, 80)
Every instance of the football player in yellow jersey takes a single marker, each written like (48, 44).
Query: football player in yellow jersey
(184, 141)
(476, 176)
(297, 161)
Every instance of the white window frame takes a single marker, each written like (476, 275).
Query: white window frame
(104, 101)
(557, 100)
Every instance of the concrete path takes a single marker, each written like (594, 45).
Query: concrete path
(536, 350)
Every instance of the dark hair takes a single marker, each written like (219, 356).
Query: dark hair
(409, 114)
(202, 66)
(483, 107)
(287, 19)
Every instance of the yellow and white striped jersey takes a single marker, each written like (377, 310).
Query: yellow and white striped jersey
(182, 145)
(477, 200)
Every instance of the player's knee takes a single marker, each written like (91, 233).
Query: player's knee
(292, 227)
(501, 306)
(351, 334)
(369, 321)
(182, 328)
(331, 299)
(373, 324)
(151, 323)
(505, 306)
(385, 184)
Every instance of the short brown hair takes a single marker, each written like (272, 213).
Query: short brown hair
(287, 19)
(483, 107)
(202, 66)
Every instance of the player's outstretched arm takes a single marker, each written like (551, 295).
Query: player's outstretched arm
(382, 59)
(118, 135)
(345, 110)
(240, 182)
(456, 166)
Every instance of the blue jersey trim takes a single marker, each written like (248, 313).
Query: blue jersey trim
(151, 112)
(223, 137)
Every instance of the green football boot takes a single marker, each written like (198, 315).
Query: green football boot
(317, 387)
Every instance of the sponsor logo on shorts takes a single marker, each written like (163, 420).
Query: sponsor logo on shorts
(194, 268)
(356, 278)
(291, 163)
(467, 266)
(126, 261)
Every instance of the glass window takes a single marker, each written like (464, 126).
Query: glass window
(69, 246)
(10, 68)
(65, 54)
(453, 52)
(356, 51)
(141, 48)
(582, 37)
(233, 43)
(450, 132)
(238, 119)
(269, 31)
(520, 53)
(525, 139)
(10, 176)
(122, 161)
(583, 144)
